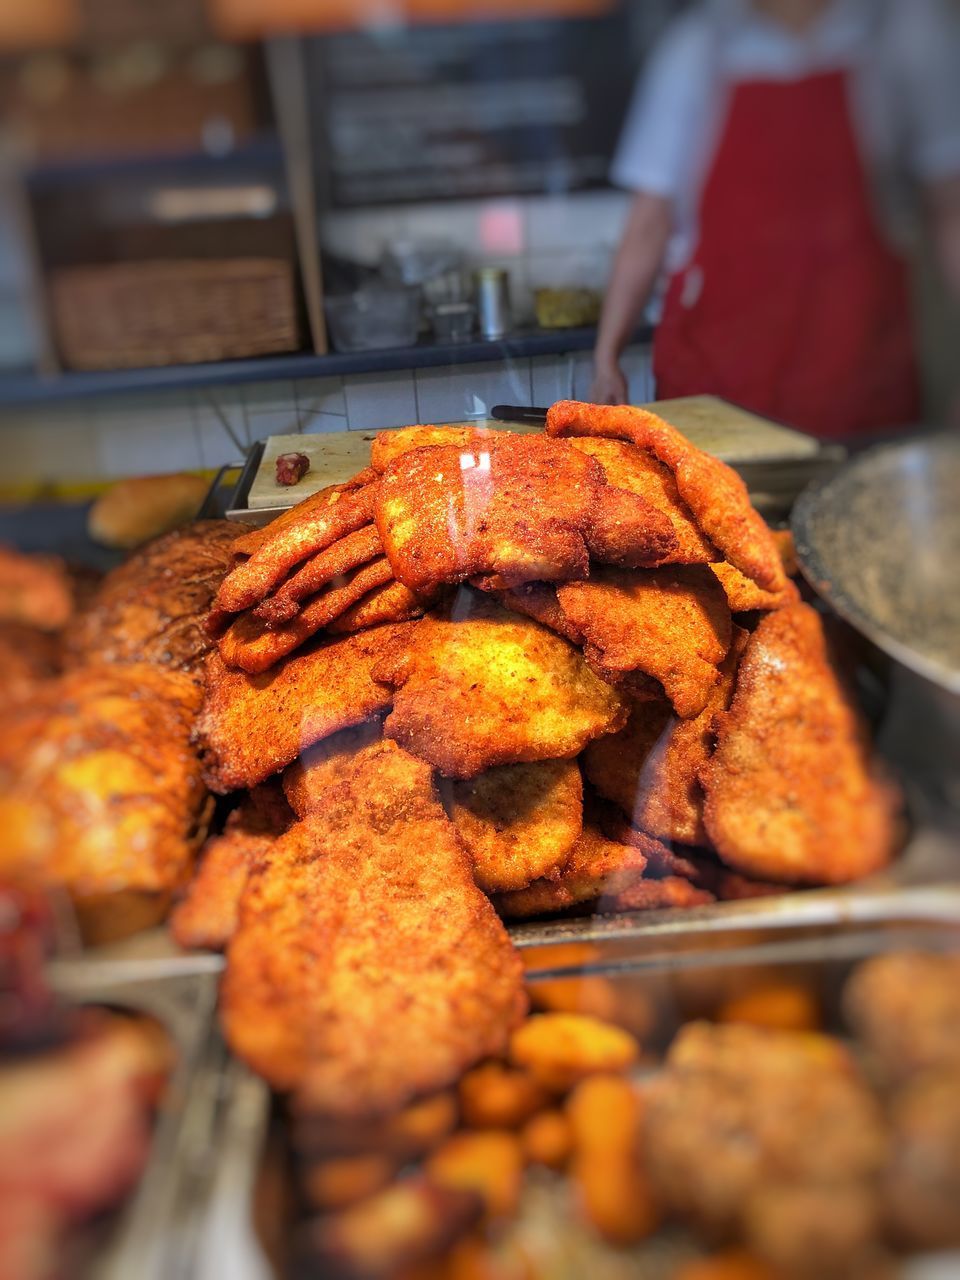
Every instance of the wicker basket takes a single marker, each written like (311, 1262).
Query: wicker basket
(173, 312)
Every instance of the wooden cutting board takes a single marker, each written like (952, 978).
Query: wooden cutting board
(713, 425)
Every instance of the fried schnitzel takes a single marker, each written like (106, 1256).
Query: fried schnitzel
(392, 602)
(791, 792)
(672, 624)
(309, 527)
(649, 768)
(327, 762)
(743, 594)
(637, 470)
(714, 493)
(367, 967)
(478, 686)
(346, 554)
(255, 646)
(253, 726)
(597, 869)
(389, 445)
(206, 916)
(518, 822)
(516, 508)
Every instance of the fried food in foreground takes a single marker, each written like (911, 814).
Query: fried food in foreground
(518, 822)
(309, 527)
(407, 1223)
(597, 869)
(207, 914)
(327, 762)
(517, 508)
(560, 1049)
(367, 967)
(672, 624)
(791, 792)
(546, 1139)
(488, 1161)
(637, 470)
(650, 767)
(538, 600)
(905, 1007)
(479, 686)
(345, 555)
(27, 657)
(253, 726)
(714, 493)
(495, 1096)
(922, 1186)
(255, 646)
(743, 594)
(152, 607)
(99, 790)
(741, 1112)
(34, 590)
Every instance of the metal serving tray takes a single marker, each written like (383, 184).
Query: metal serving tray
(680, 964)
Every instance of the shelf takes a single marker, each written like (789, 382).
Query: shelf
(29, 388)
(260, 151)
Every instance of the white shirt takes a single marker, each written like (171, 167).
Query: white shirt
(905, 60)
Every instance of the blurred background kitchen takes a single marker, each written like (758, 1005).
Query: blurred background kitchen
(229, 219)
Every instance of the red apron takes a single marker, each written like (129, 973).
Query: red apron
(793, 304)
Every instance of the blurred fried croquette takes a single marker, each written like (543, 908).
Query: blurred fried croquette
(488, 1161)
(495, 1096)
(559, 1049)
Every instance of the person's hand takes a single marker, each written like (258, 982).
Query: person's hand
(609, 385)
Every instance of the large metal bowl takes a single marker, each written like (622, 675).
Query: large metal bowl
(880, 541)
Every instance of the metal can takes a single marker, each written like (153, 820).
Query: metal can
(493, 301)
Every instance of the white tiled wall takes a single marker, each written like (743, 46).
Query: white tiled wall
(175, 431)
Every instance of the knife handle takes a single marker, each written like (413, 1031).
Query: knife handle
(517, 413)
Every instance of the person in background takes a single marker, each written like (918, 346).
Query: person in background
(774, 148)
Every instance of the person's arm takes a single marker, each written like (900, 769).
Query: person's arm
(943, 203)
(635, 270)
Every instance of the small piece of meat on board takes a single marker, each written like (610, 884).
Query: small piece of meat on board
(291, 468)
(368, 968)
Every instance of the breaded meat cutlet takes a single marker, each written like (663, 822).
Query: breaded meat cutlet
(650, 767)
(478, 686)
(638, 471)
(516, 508)
(367, 967)
(671, 624)
(391, 602)
(715, 495)
(206, 916)
(743, 594)
(303, 531)
(597, 869)
(345, 555)
(35, 590)
(518, 822)
(329, 761)
(253, 726)
(255, 646)
(389, 445)
(153, 607)
(791, 791)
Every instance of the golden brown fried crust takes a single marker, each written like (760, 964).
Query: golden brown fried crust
(152, 608)
(650, 767)
(308, 779)
(714, 493)
(35, 590)
(367, 967)
(206, 916)
(253, 726)
(658, 895)
(672, 624)
(310, 527)
(518, 822)
(99, 789)
(389, 445)
(791, 793)
(743, 594)
(538, 600)
(392, 602)
(597, 871)
(480, 686)
(638, 471)
(346, 554)
(518, 508)
(28, 656)
(255, 646)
